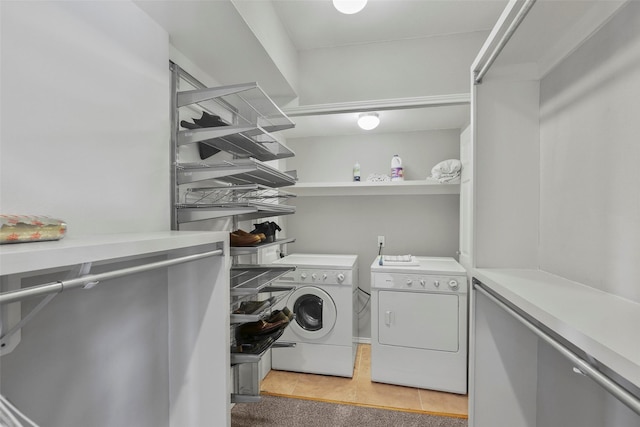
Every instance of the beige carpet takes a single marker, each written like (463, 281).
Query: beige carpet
(285, 411)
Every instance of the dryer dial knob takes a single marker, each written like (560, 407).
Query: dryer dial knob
(324, 276)
(314, 276)
(436, 283)
(423, 283)
(340, 277)
(409, 282)
(303, 276)
(453, 284)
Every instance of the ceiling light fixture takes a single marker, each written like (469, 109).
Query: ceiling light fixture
(349, 7)
(368, 121)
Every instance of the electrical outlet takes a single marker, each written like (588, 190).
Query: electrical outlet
(381, 241)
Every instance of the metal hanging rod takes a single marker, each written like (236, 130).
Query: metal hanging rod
(581, 365)
(63, 285)
(481, 70)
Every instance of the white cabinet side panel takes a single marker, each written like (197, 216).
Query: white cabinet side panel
(198, 343)
(504, 369)
(507, 177)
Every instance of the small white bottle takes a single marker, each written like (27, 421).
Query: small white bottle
(397, 173)
(356, 172)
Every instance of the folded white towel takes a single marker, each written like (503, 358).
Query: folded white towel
(451, 166)
(446, 171)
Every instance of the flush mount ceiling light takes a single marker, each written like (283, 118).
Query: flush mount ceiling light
(368, 121)
(349, 7)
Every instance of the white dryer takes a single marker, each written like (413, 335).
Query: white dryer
(419, 324)
(325, 326)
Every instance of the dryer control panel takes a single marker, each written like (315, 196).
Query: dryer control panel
(420, 283)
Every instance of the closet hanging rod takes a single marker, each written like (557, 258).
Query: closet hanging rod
(63, 285)
(481, 70)
(583, 366)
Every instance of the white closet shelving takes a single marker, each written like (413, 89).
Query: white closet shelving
(364, 188)
(194, 333)
(239, 186)
(532, 332)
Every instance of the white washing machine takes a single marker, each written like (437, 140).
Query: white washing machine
(419, 324)
(325, 326)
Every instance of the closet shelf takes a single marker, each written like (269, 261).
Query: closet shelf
(237, 172)
(268, 342)
(245, 211)
(241, 141)
(254, 116)
(543, 298)
(248, 250)
(399, 188)
(263, 311)
(234, 193)
(27, 257)
(251, 279)
(248, 100)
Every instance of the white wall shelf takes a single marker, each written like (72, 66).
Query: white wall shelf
(364, 188)
(30, 257)
(567, 308)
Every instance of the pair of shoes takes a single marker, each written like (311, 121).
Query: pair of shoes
(241, 238)
(285, 313)
(252, 330)
(206, 121)
(268, 228)
(275, 324)
(250, 307)
(259, 346)
(209, 120)
(244, 233)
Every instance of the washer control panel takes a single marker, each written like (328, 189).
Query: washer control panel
(319, 277)
(418, 282)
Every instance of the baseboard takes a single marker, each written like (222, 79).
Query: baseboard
(363, 340)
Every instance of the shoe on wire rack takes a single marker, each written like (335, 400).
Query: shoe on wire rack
(236, 239)
(244, 233)
(250, 307)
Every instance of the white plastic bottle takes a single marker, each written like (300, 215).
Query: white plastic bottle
(397, 173)
(356, 172)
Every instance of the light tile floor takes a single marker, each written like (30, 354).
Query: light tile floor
(360, 390)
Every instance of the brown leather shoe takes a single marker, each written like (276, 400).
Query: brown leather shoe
(287, 313)
(236, 239)
(261, 327)
(244, 233)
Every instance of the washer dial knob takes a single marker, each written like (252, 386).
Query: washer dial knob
(340, 277)
(409, 282)
(423, 283)
(324, 276)
(314, 276)
(453, 284)
(303, 276)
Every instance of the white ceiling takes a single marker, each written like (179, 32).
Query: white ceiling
(391, 121)
(313, 24)
(316, 24)
(215, 37)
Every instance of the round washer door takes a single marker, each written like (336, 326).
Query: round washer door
(315, 312)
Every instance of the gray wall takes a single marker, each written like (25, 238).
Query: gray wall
(393, 69)
(425, 225)
(589, 197)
